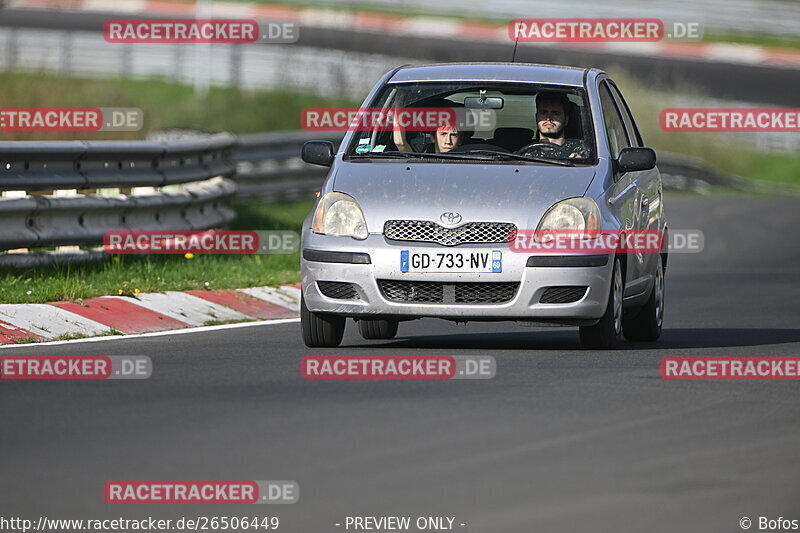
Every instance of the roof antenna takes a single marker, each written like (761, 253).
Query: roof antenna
(516, 42)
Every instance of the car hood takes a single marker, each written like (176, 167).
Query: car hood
(493, 192)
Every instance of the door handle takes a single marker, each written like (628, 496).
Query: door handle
(622, 193)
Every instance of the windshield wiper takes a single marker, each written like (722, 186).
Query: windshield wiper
(477, 155)
(518, 157)
(386, 155)
(421, 155)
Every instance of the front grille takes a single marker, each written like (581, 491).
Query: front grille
(562, 295)
(448, 293)
(412, 291)
(485, 293)
(338, 290)
(469, 233)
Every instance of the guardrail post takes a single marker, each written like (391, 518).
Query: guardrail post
(66, 193)
(10, 195)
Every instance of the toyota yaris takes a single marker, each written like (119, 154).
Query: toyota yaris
(418, 220)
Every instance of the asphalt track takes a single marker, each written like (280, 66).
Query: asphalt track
(561, 440)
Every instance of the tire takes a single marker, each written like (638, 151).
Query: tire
(646, 325)
(378, 329)
(320, 330)
(604, 334)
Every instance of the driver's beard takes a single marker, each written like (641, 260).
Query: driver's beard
(558, 134)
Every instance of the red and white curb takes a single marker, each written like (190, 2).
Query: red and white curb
(420, 26)
(145, 313)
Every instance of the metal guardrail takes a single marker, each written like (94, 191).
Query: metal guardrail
(46, 221)
(68, 194)
(53, 192)
(203, 173)
(679, 172)
(269, 165)
(41, 166)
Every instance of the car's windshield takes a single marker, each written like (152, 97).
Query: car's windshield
(476, 120)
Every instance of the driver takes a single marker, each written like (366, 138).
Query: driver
(551, 118)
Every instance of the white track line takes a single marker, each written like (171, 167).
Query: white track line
(200, 329)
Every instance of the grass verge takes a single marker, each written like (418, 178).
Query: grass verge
(730, 153)
(164, 105)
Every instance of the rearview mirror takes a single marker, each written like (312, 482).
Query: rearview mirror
(476, 102)
(636, 159)
(318, 153)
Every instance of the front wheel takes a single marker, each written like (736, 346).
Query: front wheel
(378, 329)
(646, 325)
(604, 334)
(320, 330)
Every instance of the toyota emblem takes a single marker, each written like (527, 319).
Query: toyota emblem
(450, 218)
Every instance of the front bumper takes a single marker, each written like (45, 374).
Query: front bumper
(384, 257)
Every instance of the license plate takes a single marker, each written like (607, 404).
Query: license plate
(491, 262)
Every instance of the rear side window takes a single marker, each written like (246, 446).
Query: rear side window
(633, 130)
(615, 128)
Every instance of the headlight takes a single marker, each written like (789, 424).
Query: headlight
(578, 217)
(339, 215)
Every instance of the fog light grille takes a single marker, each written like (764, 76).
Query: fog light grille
(338, 290)
(562, 295)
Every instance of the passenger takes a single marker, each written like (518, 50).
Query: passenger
(552, 117)
(445, 138)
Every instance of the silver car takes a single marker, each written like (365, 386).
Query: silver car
(408, 227)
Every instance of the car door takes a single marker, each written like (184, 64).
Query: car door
(625, 195)
(648, 183)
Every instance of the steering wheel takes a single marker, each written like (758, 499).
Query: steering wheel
(541, 147)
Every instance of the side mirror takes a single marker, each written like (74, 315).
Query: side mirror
(318, 153)
(636, 159)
